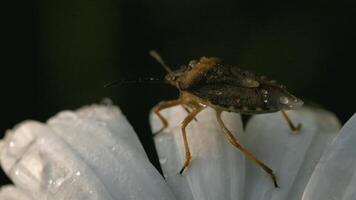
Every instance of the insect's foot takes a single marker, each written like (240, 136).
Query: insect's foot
(182, 170)
(297, 128)
(156, 133)
(274, 181)
(186, 164)
(270, 172)
(159, 131)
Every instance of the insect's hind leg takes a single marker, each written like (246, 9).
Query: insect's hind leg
(161, 106)
(231, 138)
(186, 121)
(290, 123)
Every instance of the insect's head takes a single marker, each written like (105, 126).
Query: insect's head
(173, 77)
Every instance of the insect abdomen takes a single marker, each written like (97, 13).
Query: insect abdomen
(234, 99)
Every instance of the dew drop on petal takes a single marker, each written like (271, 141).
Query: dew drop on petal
(11, 144)
(163, 160)
(59, 182)
(160, 139)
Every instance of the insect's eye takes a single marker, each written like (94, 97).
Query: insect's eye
(171, 78)
(191, 65)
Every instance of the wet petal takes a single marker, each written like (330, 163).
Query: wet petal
(217, 168)
(334, 176)
(10, 192)
(292, 156)
(41, 163)
(89, 154)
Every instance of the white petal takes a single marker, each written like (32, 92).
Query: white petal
(292, 156)
(104, 139)
(9, 192)
(41, 163)
(89, 154)
(334, 176)
(217, 168)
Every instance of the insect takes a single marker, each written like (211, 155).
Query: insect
(208, 82)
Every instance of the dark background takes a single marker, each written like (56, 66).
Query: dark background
(58, 54)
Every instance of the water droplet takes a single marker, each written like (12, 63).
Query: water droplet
(78, 173)
(283, 100)
(219, 93)
(160, 139)
(17, 172)
(113, 148)
(12, 144)
(59, 182)
(162, 160)
(265, 100)
(250, 82)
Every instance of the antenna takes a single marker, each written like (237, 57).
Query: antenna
(132, 81)
(159, 59)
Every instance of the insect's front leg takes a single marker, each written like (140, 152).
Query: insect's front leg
(290, 123)
(231, 138)
(196, 109)
(161, 106)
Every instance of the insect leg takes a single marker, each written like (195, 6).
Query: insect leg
(290, 123)
(231, 138)
(188, 111)
(161, 106)
(185, 122)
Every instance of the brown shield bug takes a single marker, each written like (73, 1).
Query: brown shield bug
(207, 82)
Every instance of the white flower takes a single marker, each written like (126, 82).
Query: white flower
(93, 153)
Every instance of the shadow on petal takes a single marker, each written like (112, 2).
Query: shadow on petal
(292, 156)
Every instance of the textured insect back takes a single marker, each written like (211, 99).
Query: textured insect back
(196, 71)
(244, 78)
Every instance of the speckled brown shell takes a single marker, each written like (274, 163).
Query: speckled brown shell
(230, 88)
